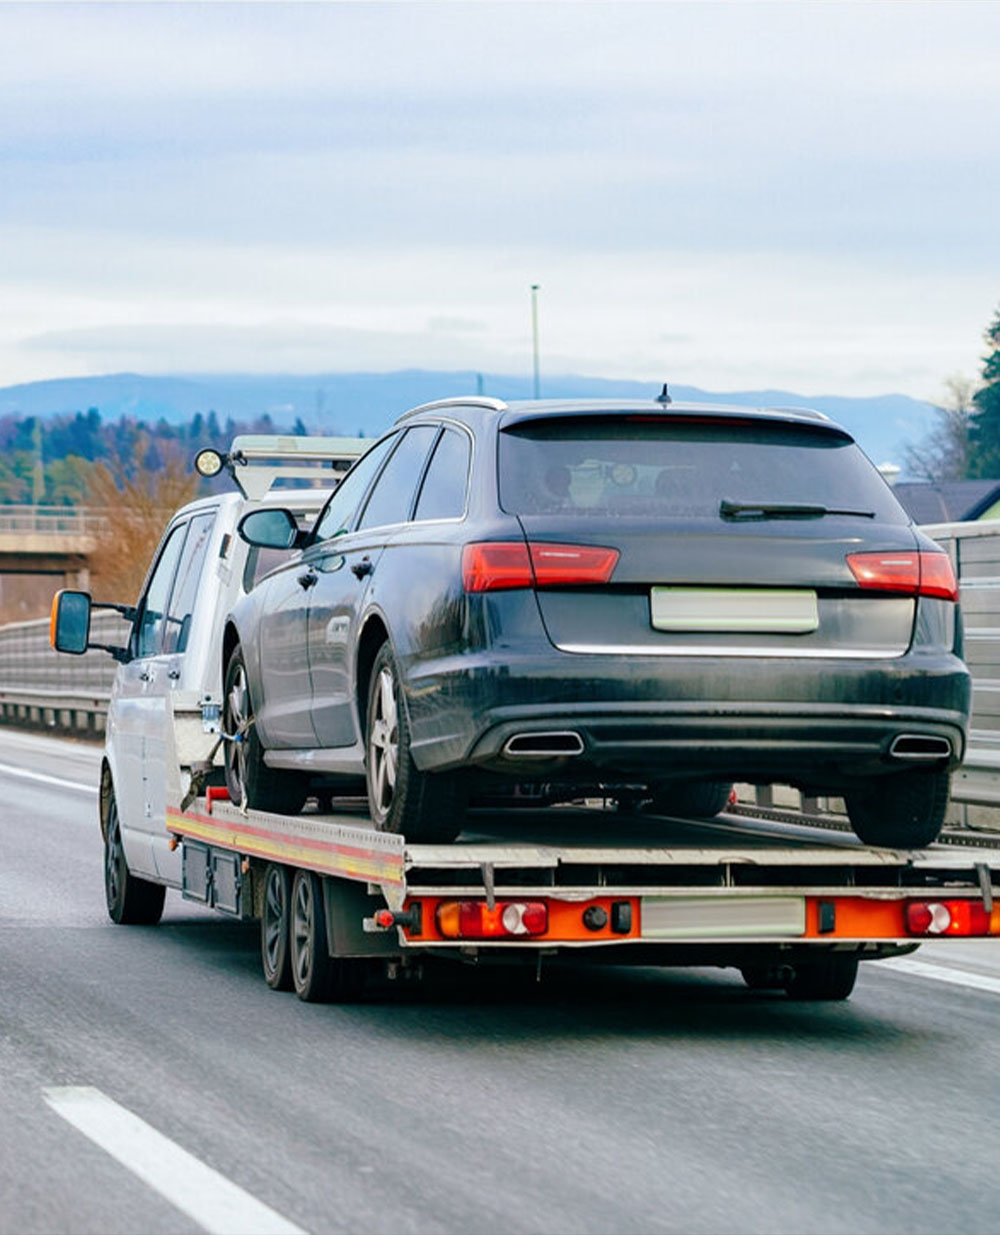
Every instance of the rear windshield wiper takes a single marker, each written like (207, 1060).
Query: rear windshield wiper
(784, 510)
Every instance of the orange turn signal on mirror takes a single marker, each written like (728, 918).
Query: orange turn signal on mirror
(506, 920)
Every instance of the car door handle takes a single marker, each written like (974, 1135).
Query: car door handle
(362, 568)
(147, 676)
(174, 675)
(308, 579)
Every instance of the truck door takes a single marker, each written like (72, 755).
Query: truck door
(128, 721)
(165, 670)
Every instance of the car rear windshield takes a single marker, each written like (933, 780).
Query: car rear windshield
(624, 465)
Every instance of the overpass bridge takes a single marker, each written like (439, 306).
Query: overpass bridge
(50, 540)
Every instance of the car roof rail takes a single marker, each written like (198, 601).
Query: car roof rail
(483, 402)
(256, 461)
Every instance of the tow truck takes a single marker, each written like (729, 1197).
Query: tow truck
(794, 904)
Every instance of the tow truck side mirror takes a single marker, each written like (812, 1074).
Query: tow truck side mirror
(69, 625)
(69, 628)
(271, 529)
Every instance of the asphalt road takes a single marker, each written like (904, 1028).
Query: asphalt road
(636, 1101)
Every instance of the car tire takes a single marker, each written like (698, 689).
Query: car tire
(131, 901)
(828, 979)
(703, 799)
(250, 781)
(317, 976)
(275, 953)
(901, 811)
(424, 806)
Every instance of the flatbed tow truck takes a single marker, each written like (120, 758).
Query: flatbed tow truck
(792, 906)
(788, 905)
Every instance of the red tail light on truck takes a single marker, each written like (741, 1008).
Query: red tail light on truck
(505, 920)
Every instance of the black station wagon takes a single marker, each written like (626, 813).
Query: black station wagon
(646, 600)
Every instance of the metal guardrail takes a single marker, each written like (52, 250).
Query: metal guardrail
(975, 552)
(41, 687)
(53, 520)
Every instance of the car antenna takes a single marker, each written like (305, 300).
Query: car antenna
(664, 395)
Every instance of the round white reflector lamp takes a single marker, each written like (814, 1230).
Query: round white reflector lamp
(208, 462)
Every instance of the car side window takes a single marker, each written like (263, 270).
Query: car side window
(153, 608)
(392, 496)
(339, 510)
(185, 589)
(443, 493)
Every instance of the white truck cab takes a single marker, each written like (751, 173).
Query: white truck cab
(168, 689)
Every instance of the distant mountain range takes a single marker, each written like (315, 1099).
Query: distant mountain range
(366, 403)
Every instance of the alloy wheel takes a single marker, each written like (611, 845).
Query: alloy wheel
(237, 723)
(275, 921)
(113, 858)
(383, 741)
(303, 931)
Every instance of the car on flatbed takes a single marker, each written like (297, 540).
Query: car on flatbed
(340, 902)
(644, 600)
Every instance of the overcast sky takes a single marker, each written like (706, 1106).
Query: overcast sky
(732, 196)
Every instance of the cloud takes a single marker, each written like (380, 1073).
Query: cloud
(264, 347)
(741, 193)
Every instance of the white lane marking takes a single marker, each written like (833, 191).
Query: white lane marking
(206, 1197)
(10, 770)
(940, 973)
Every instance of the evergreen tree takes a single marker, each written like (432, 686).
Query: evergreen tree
(985, 428)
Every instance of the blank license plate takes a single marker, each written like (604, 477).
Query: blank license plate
(716, 917)
(768, 610)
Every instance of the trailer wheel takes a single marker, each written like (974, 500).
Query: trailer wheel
(317, 976)
(275, 954)
(902, 811)
(426, 806)
(830, 978)
(249, 780)
(700, 799)
(131, 901)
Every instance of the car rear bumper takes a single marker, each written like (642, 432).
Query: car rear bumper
(718, 741)
(704, 719)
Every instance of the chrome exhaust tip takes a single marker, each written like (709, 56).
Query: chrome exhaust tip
(550, 745)
(919, 746)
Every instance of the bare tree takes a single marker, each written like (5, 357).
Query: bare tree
(946, 451)
(138, 501)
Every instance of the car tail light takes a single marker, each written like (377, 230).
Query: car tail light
(491, 566)
(558, 564)
(955, 917)
(916, 574)
(506, 920)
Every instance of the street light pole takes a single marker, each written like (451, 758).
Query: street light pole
(534, 337)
